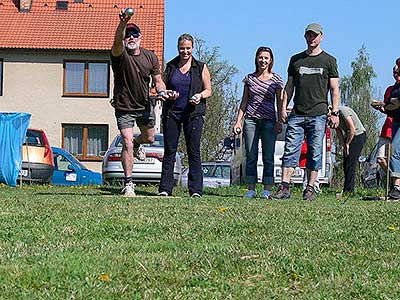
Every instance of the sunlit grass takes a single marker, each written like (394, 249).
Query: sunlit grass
(91, 243)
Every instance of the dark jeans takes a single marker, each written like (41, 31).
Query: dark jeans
(192, 128)
(350, 162)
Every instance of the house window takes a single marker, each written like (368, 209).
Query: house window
(1, 77)
(85, 141)
(87, 79)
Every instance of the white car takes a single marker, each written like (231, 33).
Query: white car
(239, 160)
(215, 174)
(147, 171)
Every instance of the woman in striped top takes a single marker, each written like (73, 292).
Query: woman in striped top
(261, 89)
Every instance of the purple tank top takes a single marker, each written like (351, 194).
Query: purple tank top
(180, 83)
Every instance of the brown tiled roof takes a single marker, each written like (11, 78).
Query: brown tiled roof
(89, 25)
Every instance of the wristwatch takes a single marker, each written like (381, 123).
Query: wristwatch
(335, 113)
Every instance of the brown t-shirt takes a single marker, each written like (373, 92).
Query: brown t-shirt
(132, 75)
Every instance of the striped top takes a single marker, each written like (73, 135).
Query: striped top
(261, 102)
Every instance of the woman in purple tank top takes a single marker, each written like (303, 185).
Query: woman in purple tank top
(261, 90)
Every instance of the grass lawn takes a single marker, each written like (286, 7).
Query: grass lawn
(90, 243)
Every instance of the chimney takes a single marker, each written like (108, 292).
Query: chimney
(25, 5)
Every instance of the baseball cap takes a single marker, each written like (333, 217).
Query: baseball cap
(314, 27)
(132, 29)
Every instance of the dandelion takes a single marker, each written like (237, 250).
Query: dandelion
(293, 275)
(222, 209)
(104, 277)
(251, 231)
(393, 228)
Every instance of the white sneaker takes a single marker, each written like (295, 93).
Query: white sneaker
(250, 194)
(129, 190)
(196, 195)
(139, 153)
(163, 194)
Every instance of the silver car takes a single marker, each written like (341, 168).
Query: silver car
(215, 174)
(147, 171)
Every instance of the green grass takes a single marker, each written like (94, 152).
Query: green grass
(90, 243)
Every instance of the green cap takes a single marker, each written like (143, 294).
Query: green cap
(314, 27)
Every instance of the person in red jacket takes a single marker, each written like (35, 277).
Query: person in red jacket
(391, 107)
(302, 165)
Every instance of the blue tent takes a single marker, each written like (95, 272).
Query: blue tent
(13, 127)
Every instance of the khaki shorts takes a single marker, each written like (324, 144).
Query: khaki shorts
(128, 119)
(382, 152)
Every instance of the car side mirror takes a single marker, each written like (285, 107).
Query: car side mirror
(71, 168)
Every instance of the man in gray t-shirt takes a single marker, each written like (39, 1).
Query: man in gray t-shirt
(351, 134)
(312, 74)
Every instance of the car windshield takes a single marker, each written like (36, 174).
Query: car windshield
(158, 141)
(34, 138)
(217, 170)
(77, 162)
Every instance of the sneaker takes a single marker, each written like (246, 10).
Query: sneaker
(250, 194)
(266, 194)
(139, 153)
(195, 195)
(163, 194)
(308, 193)
(283, 193)
(129, 190)
(394, 194)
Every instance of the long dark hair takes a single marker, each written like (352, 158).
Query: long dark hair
(264, 49)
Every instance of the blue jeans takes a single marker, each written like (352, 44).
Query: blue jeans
(313, 128)
(395, 158)
(253, 130)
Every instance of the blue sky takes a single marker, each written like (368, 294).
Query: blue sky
(239, 28)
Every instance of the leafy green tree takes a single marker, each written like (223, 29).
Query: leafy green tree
(357, 91)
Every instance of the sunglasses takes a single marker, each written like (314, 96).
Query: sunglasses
(132, 34)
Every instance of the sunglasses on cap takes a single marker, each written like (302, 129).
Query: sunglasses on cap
(132, 34)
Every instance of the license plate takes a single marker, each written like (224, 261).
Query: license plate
(297, 172)
(148, 160)
(24, 173)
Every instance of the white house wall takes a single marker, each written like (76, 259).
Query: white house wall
(33, 83)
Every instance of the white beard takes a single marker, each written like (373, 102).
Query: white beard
(131, 46)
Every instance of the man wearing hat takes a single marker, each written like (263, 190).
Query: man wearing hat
(134, 69)
(311, 75)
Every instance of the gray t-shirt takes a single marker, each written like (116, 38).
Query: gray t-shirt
(311, 76)
(344, 113)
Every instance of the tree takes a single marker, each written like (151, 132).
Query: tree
(357, 91)
(222, 105)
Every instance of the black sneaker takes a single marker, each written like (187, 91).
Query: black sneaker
(394, 194)
(308, 193)
(283, 193)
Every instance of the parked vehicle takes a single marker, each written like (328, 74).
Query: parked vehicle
(147, 171)
(70, 171)
(238, 165)
(372, 175)
(215, 174)
(37, 157)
